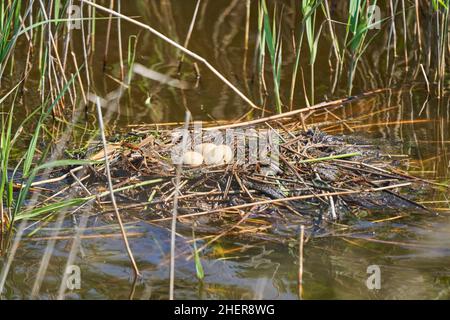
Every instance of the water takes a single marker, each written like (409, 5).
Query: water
(415, 257)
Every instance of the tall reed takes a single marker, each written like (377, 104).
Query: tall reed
(441, 11)
(9, 27)
(271, 35)
(360, 21)
(309, 10)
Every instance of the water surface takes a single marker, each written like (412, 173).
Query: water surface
(415, 258)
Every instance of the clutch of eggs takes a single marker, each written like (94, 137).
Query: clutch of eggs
(208, 153)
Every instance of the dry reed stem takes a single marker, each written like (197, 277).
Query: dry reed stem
(178, 46)
(111, 190)
(86, 237)
(175, 212)
(295, 112)
(189, 33)
(302, 197)
(300, 262)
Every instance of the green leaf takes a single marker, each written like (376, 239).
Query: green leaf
(54, 207)
(198, 264)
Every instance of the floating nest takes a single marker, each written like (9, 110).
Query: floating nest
(319, 180)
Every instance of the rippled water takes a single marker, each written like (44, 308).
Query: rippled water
(415, 257)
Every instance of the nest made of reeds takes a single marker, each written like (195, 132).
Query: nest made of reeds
(318, 180)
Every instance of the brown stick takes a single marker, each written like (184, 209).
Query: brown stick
(175, 212)
(111, 190)
(178, 46)
(295, 112)
(300, 263)
(87, 236)
(302, 197)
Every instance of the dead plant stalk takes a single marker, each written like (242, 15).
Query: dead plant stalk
(111, 190)
(178, 46)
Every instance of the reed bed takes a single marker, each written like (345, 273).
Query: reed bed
(319, 179)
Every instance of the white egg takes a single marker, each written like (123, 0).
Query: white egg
(204, 148)
(219, 155)
(227, 153)
(214, 156)
(192, 158)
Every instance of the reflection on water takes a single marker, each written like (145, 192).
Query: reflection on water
(413, 254)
